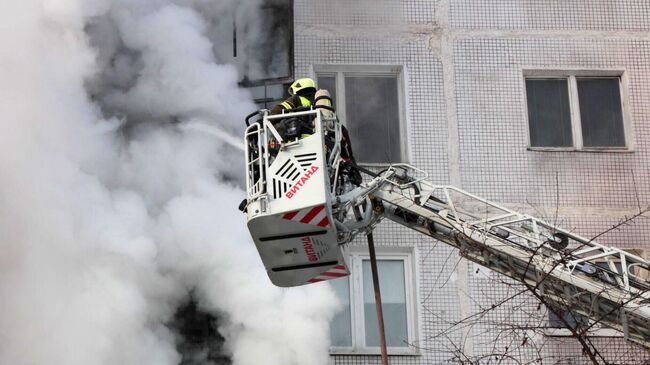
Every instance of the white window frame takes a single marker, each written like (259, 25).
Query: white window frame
(574, 104)
(598, 330)
(340, 71)
(356, 257)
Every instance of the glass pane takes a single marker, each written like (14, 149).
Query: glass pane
(605, 265)
(372, 118)
(267, 96)
(340, 327)
(328, 83)
(601, 112)
(608, 274)
(393, 299)
(573, 319)
(549, 114)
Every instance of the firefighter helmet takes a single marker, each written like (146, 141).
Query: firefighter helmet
(305, 84)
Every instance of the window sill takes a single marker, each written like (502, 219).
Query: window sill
(573, 149)
(600, 332)
(339, 351)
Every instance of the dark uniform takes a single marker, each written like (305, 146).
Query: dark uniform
(296, 101)
(294, 127)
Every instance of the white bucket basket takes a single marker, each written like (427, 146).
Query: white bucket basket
(289, 207)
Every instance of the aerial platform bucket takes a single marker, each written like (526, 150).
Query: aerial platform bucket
(289, 208)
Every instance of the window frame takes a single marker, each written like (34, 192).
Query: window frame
(572, 77)
(340, 71)
(355, 283)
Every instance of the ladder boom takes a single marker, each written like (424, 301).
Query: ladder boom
(560, 265)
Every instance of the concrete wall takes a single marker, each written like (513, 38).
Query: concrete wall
(466, 122)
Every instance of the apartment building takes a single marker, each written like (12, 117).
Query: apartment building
(543, 106)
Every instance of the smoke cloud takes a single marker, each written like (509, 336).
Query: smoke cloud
(112, 210)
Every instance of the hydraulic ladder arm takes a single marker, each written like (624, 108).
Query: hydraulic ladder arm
(302, 209)
(557, 264)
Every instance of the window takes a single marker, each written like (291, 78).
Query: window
(575, 111)
(556, 327)
(354, 329)
(269, 95)
(572, 319)
(258, 40)
(368, 101)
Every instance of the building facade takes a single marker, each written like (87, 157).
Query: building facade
(463, 90)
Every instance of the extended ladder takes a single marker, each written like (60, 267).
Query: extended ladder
(605, 284)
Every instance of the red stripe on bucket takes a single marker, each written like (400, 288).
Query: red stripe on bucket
(312, 213)
(324, 222)
(290, 215)
(334, 274)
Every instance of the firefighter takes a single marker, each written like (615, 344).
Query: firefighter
(302, 93)
(305, 94)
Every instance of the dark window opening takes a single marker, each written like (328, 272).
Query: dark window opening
(269, 95)
(601, 112)
(198, 340)
(558, 320)
(370, 109)
(262, 43)
(549, 113)
(262, 50)
(372, 116)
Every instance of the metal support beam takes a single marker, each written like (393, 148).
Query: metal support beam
(380, 313)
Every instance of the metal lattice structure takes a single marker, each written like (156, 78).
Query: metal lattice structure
(604, 284)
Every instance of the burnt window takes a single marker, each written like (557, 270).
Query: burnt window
(256, 38)
(263, 46)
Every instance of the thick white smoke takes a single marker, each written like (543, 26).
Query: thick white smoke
(109, 213)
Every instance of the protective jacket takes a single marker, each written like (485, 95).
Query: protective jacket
(293, 102)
